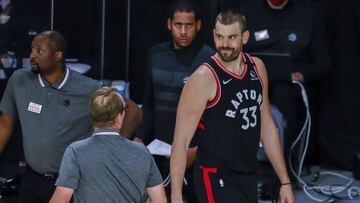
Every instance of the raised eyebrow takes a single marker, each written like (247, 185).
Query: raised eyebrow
(217, 34)
(234, 35)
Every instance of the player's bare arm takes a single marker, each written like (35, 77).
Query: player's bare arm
(270, 138)
(198, 90)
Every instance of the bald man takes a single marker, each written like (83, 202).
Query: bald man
(51, 102)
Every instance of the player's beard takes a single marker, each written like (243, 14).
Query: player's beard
(231, 56)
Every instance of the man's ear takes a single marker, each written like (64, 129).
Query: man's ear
(198, 25)
(59, 56)
(245, 37)
(120, 119)
(214, 33)
(169, 24)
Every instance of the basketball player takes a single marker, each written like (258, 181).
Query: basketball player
(225, 102)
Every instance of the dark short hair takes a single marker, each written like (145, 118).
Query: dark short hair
(105, 105)
(230, 16)
(184, 6)
(56, 40)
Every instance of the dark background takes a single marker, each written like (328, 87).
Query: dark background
(80, 22)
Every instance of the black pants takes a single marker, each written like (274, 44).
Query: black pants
(35, 188)
(221, 185)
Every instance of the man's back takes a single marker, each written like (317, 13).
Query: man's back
(108, 168)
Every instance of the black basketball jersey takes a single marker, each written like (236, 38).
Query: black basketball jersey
(229, 129)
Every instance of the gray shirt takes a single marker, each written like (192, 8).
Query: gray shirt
(108, 168)
(51, 116)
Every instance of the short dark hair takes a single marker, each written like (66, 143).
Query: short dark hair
(105, 105)
(230, 16)
(57, 41)
(184, 6)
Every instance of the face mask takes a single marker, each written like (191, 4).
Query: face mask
(276, 2)
(4, 19)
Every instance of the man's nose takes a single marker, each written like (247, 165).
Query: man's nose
(32, 55)
(226, 43)
(183, 30)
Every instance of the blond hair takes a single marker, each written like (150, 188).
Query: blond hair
(105, 105)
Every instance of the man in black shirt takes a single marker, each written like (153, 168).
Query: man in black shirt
(169, 66)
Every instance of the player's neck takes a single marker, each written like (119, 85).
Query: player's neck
(236, 66)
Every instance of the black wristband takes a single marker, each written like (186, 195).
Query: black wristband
(288, 183)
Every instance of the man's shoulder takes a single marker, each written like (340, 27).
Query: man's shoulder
(82, 78)
(80, 144)
(130, 148)
(206, 52)
(81, 81)
(23, 73)
(159, 48)
(125, 147)
(207, 49)
(119, 142)
(141, 148)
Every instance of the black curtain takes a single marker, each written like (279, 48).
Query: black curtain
(340, 97)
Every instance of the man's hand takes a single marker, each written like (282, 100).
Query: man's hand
(297, 76)
(62, 195)
(132, 119)
(136, 139)
(6, 127)
(286, 194)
